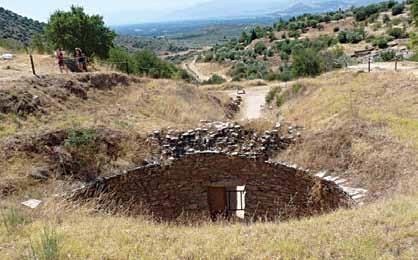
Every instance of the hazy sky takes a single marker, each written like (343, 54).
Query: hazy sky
(114, 11)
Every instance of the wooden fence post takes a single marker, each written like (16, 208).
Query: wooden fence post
(32, 64)
(370, 60)
(396, 63)
(127, 67)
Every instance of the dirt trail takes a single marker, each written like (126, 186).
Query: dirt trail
(191, 67)
(254, 101)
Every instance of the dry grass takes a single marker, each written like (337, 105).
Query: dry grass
(343, 96)
(140, 107)
(210, 68)
(362, 126)
(376, 120)
(21, 66)
(134, 110)
(385, 230)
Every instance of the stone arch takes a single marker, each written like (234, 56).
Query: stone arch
(168, 191)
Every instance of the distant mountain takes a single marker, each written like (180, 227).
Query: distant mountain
(249, 8)
(321, 6)
(17, 27)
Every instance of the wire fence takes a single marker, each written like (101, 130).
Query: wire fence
(124, 66)
(73, 65)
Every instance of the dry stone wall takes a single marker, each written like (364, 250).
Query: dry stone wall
(229, 138)
(181, 188)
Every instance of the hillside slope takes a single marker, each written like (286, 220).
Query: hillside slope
(362, 126)
(386, 229)
(17, 27)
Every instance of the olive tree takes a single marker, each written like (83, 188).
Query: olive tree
(76, 29)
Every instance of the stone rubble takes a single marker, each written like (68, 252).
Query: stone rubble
(228, 138)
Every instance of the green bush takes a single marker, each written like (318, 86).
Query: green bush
(251, 69)
(215, 79)
(381, 42)
(414, 12)
(280, 101)
(354, 36)
(145, 63)
(386, 19)
(307, 62)
(260, 47)
(271, 95)
(79, 138)
(294, 34)
(398, 9)
(388, 55)
(118, 58)
(296, 88)
(285, 73)
(396, 32)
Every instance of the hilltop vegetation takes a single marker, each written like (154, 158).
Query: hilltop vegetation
(270, 52)
(16, 30)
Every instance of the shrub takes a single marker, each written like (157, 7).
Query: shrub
(280, 100)
(414, 12)
(372, 18)
(396, 21)
(386, 19)
(398, 9)
(381, 42)
(146, 63)
(388, 55)
(117, 57)
(360, 15)
(215, 79)
(296, 88)
(285, 73)
(79, 138)
(342, 37)
(271, 95)
(396, 32)
(260, 48)
(354, 36)
(307, 62)
(377, 26)
(294, 34)
(208, 57)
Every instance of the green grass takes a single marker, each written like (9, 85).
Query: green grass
(48, 247)
(12, 219)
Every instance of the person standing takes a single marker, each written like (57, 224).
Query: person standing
(80, 60)
(60, 61)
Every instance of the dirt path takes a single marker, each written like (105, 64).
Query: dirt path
(191, 67)
(254, 101)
